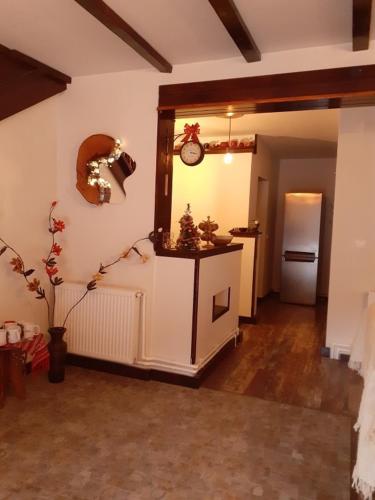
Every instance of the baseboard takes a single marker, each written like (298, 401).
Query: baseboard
(338, 350)
(102, 365)
(271, 293)
(247, 319)
(152, 373)
(344, 357)
(214, 361)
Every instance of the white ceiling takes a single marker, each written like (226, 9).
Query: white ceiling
(62, 34)
(293, 134)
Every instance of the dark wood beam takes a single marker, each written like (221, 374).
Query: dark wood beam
(23, 62)
(237, 29)
(104, 14)
(26, 81)
(164, 169)
(330, 87)
(361, 24)
(27, 91)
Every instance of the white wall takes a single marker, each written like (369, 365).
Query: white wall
(353, 241)
(113, 105)
(306, 175)
(28, 175)
(217, 274)
(264, 166)
(120, 104)
(212, 188)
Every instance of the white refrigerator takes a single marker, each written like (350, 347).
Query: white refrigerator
(300, 247)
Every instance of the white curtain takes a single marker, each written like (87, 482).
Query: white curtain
(362, 359)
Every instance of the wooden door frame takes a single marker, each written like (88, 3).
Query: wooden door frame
(306, 90)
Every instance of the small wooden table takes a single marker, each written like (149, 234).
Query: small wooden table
(28, 355)
(11, 373)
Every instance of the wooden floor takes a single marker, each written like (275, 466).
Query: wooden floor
(279, 360)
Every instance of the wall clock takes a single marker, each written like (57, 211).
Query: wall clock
(192, 153)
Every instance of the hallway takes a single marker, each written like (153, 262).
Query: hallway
(279, 360)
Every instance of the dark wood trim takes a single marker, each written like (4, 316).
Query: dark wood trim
(164, 176)
(232, 20)
(30, 63)
(271, 293)
(101, 365)
(212, 364)
(245, 234)
(344, 358)
(361, 24)
(25, 82)
(104, 14)
(152, 374)
(27, 91)
(332, 88)
(175, 379)
(247, 320)
(199, 254)
(194, 325)
(268, 107)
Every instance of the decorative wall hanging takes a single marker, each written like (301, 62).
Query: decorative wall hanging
(192, 151)
(102, 169)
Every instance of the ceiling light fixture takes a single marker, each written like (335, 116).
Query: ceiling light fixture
(228, 157)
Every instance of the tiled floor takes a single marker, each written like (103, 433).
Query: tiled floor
(99, 436)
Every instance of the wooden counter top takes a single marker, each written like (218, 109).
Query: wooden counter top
(245, 234)
(199, 254)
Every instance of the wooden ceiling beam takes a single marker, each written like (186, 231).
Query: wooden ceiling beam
(104, 14)
(26, 81)
(361, 24)
(323, 84)
(27, 91)
(237, 29)
(23, 62)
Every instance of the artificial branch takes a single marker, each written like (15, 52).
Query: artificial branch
(91, 285)
(50, 266)
(19, 267)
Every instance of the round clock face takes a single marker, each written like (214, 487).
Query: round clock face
(192, 153)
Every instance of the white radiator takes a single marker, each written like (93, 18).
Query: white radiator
(105, 325)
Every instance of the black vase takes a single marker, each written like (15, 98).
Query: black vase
(57, 353)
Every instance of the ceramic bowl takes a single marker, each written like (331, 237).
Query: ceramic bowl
(222, 240)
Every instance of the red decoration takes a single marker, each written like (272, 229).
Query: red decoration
(56, 249)
(191, 133)
(58, 225)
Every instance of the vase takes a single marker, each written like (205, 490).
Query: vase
(57, 352)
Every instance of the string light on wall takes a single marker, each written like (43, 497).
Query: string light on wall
(228, 157)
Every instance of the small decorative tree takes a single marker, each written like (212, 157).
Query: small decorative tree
(189, 235)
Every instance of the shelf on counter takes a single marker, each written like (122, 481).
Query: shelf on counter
(245, 234)
(199, 254)
(222, 151)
